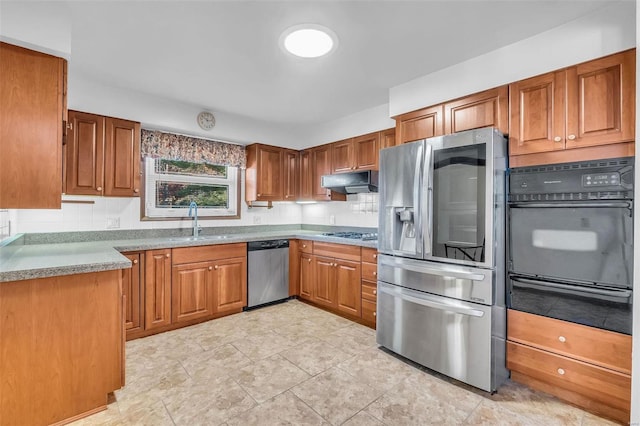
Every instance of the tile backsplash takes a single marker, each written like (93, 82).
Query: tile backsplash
(359, 210)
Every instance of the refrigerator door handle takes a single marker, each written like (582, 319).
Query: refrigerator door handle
(417, 177)
(442, 271)
(426, 206)
(430, 302)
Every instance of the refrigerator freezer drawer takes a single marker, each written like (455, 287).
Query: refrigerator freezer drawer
(450, 336)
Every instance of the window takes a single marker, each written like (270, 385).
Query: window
(171, 185)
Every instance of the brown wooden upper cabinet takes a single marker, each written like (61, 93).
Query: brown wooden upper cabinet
(264, 174)
(586, 105)
(320, 166)
(388, 138)
(484, 109)
(359, 153)
(306, 177)
(33, 109)
(420, 124)
(291, 185)
(103, 156)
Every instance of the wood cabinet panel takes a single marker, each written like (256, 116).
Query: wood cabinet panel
(264, 173)
(32, 110)
(306, 177)
(306, 246)
(61, 348)
(605, 348)
(208, 253)
(324, 292)
(388, 138)
(320, 166)
(122, 158)
(421, 124)
(593, 382)
(291, 184)
(133, 292)
(369, 255)
(369, 291)
(230, 280)
(369, 271)
(85, 154)
(342, 251)
(601, 101)
(484, 109)
(348, 292)
(537, 114)
(369, 312)
(191, 291)
(157, 307)
(342, 153)
(307, 276)
(365, 151)
(294, 267)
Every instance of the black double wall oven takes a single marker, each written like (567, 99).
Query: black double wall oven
(570, 242)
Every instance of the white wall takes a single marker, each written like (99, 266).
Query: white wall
(603, 32)
(93, 217)
(46, 28)
(359, 210)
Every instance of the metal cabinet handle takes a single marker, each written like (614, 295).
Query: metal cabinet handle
(561, 371)
(135, 261)
(167, 255)
(136, 190)
(374, 314)
(259, 195)
(375, 256)
(562, 339)
(304, 246)
(99, 188)
(215, 267)
(210, 268)
(375, 273)
(309, 260)
(571, 137)
(374, 292)
(557, 139)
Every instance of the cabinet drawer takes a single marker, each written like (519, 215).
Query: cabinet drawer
(369, 271)
(339, 251)
(306, 246)
(369, 291)
(593, 382)
(593, 345)
(369, 255)
(206, 253)
(369, 311)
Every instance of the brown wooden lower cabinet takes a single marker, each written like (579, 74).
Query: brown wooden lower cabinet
(307, 276)
(585, 366)
(157, 287)
(369, 285)
(61, 350)
(348, 293)
(324, 292)
(230, 284)
(191, 291)
(132, 279)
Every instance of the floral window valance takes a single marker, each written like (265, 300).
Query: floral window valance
(170, 146)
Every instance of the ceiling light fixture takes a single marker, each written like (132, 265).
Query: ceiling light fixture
(308, 40)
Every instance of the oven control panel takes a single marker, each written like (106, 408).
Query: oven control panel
(600, 179)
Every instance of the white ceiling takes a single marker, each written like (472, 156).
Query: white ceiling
(224, 55)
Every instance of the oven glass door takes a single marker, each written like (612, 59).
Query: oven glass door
(589, 243)
(459, 194)
(594, 306)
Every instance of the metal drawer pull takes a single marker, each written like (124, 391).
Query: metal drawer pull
(430, 303)
(561, 371)
(375, 273)
(561, 205)
(571, 137)
(557, 139)
(562, 339)
(374, 292)
(135, 261)
(210, 268)
(167, 255)
(215, 267)
(546, 284)
(409, 265)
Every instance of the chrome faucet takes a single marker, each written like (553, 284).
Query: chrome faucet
(193, 207)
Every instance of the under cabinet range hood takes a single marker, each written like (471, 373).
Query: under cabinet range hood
(352, 182)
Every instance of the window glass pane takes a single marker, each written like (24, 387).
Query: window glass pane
(180, 195)
(176, 167)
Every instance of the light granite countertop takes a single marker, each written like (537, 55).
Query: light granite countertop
(28, 261)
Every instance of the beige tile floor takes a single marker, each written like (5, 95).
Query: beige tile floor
(293, 364)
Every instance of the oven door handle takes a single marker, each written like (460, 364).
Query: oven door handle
(430, 302)
(622, 204)
(602, 292)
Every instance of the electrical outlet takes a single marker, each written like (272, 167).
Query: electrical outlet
(113, 222)
(257, 219)
(332, 219)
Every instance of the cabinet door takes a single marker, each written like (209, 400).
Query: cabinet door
(132, 292)
(32, 110)
(269, 184)
(230, 282)
(307, 276)
(388, 138)
(85, 154)
(157, 286)
(191, 291)
(484, 109)
(420, 124)
(349, 296)
(321, 165)
(365, 151)
(291, 175)
(306, 178)
(122, 158)
(342, 156)
(324, 271)
(537, 114)
(601, 101)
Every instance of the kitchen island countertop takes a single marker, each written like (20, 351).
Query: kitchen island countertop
(27, 261)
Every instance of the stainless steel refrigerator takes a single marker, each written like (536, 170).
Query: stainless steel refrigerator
(441, 271)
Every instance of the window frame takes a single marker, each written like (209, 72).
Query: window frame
(147, 163)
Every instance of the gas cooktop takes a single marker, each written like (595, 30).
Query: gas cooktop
(353, 235)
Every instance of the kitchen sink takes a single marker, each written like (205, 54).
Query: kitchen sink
(200, 238)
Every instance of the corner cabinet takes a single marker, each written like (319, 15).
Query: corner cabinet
(578, 113)
(102, 156)
(32, 115)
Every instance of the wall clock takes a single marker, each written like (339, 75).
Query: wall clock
(206, 120)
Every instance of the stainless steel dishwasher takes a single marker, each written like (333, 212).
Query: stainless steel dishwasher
(268, 271)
